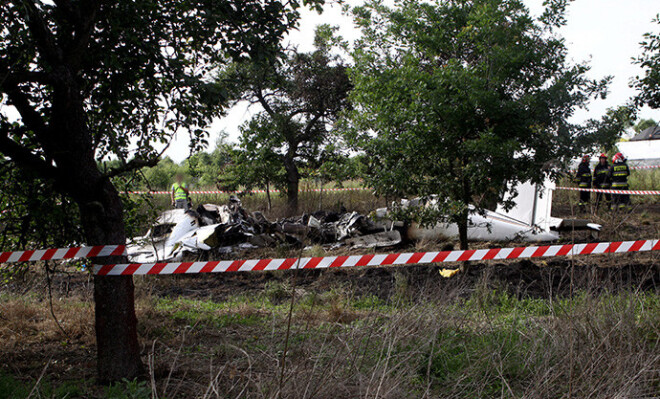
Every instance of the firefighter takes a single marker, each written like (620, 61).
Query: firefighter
(602, 180)
(179, 193)
(619, 173)
(583, 179)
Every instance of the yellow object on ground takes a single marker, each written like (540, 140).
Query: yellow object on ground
(447, 273)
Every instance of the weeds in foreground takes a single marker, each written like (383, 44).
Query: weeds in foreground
(489, 343)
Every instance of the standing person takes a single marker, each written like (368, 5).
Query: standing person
(619, 173)
(179, 193)
(602, 180)
(583, 178)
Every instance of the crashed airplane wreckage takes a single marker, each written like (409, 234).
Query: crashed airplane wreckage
(228, 228)
(528, 220)
(223, 229)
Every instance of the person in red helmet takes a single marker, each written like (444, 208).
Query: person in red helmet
(619, 173)
(583, 179)
(601, 180)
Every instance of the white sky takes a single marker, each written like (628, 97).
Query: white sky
(606, 33)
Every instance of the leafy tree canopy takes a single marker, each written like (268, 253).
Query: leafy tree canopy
(302, 95)
(140, 68)
(604, 133)
(649, 84)
(458, 98)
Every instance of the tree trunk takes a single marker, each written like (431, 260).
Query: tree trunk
(70, 142)
(463, 231)
(270, 205)
(465, 214)
(118, 351)
(69, 148)
(292, 184)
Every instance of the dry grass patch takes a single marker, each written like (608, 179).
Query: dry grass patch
(28, 321)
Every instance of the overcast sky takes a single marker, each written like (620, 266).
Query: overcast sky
(606, 33)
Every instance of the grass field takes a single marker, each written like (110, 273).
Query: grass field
(362, 201)
(559, 328)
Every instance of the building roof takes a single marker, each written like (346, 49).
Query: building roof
(650, 133)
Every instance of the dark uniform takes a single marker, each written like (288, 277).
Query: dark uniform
(602, 181)
(619, 173)
(583, 178)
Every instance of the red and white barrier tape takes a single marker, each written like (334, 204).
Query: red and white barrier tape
(376, 260)
(62, 253)
(251, 191)
(645, 167)
(600, 190)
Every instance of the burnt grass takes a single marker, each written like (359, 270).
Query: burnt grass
(223, 335)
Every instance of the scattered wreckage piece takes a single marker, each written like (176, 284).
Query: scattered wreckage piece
(229, 228)
(376, 240)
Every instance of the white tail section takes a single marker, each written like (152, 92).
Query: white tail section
(533, 204)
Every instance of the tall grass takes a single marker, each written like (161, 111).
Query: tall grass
(645, 179)
(438, 343)
(364, 201)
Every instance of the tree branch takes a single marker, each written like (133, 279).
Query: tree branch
(24, 156)
(85, 19)
(14, 78)
(137, 163)
(31, 118)
(65, 5)
(307, 133)
(263, 102)
(300, 111)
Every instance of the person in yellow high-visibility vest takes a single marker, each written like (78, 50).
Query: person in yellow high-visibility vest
(179, 193)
